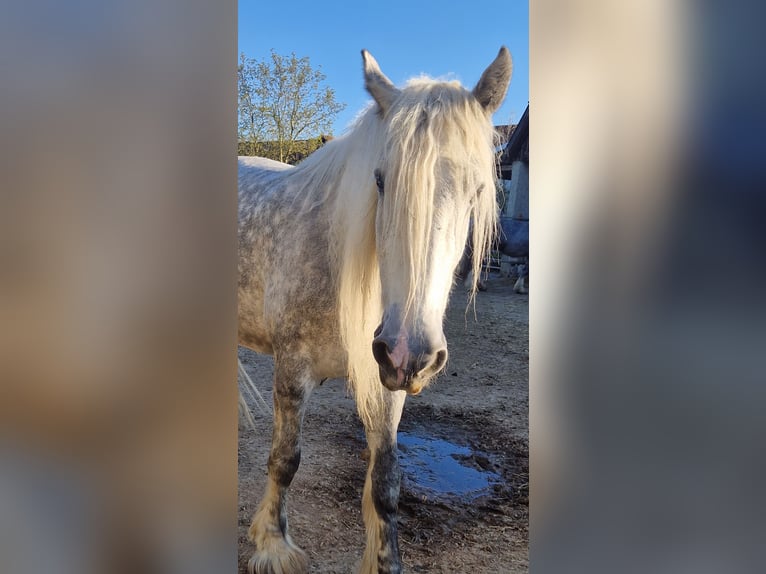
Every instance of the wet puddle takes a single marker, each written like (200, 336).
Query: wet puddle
(438, 467)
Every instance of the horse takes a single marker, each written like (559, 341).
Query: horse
(345, 268)
(513, 241)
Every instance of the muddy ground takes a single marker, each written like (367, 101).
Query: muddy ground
(479, 404)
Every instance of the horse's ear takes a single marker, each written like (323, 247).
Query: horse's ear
(493, 84)
(377, 84)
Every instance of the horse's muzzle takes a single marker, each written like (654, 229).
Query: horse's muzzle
(405, 365)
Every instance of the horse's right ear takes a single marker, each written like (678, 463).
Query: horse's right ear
(377, 84)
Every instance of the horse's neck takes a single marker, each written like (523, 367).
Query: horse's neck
(334, 178)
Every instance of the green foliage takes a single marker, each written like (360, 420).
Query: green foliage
(284, 107)
(300, 150)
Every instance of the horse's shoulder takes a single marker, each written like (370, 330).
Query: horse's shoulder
(259, 178)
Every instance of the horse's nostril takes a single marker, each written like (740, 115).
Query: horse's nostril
(380, 351)
(432, 363)
(440, 361)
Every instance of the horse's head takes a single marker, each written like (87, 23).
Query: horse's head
(436, 173)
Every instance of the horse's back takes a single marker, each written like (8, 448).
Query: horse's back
(248, 162)
(258, 172)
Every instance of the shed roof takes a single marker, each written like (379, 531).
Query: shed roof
(518, 144)
(517, 147)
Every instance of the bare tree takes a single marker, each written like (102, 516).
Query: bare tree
(284, 100)
(251, 125)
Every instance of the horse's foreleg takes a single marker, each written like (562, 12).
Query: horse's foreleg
(276, 553)
(381, 490)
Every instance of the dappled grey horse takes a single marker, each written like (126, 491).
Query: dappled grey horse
(513, 241)
(345, 267)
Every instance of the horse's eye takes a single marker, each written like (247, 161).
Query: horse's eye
(379, 180)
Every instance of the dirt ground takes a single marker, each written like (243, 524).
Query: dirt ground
(480, 401)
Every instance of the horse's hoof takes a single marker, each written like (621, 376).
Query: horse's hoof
(285, 558)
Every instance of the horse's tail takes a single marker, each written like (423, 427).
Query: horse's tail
(247, 387)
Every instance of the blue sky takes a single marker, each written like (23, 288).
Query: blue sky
(442, 39)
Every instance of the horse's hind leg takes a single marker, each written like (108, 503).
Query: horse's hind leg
(381, 490)
(276, 553)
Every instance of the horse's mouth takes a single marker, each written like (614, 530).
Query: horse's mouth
(398, 380)
(415, 391)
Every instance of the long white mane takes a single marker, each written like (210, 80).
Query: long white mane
(430, 120)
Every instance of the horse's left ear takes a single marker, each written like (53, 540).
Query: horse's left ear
(377, 84)
(493, 84)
